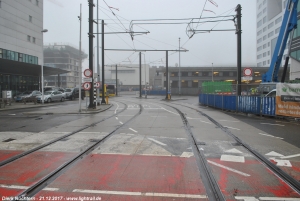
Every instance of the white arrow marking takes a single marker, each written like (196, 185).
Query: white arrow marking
(158, 142)
(228, 168)
(273, 153)
(286, 163)
(290, 156)
(239, 159)
(234, 151)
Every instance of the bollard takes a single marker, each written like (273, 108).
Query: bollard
(106, 99)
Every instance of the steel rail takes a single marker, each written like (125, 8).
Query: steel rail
(37, 187)
(276, 170)
(16, 157)
(211, 185)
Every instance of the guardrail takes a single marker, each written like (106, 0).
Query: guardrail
(246, 104)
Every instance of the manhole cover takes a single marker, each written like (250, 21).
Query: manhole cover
(8, 140)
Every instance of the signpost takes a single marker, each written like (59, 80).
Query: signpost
(87, 86)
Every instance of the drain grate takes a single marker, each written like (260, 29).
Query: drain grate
(9, 140)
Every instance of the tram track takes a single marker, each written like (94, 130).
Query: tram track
(276, 170)
(45, 181)
(18, 156)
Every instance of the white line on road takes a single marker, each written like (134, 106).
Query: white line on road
(117, 118)
(158, 116)
(232, 128)
(26, 187)
(117, 108)
(133, 130)
(12, 114)
(121, 122)
(205, 122)
(229, 120)
(270, 136)
(158, 142)
(272, 124)
(141, 194)
(290, 156)
(228, 168)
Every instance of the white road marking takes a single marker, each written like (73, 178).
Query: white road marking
(121, 122)
(273, 153)
(205, 122)
(133, 130)
(186, 154)
(232, 128)
(158, 116)
(246, 198)
(192, 118)
(291, 156)
(141, 193)
(158, 142)
(228, 168)
(234, 151)
(117, 108)
(170, 111)
(12, 114)
(117, 118)
(125, 115)
(272, 124)
(229, 120)
(26, 187)
(270, 135)
(239, 159)
(285, 163)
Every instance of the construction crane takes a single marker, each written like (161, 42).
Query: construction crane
(288, 26)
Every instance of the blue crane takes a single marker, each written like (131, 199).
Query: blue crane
(289, 24)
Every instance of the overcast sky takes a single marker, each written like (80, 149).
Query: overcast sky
(219, 48)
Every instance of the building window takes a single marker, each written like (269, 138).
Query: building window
(259, 23)
(271, 25)
(277, 30)
(33, 39)
(265, 29)
(264, 63)
(278, 20)
(265, 45)
(28, 38)
(264, 20)
(30, 18)
(265, 37)
(0, 53)
(0, 3)
(264, 55)
(20, 57)
(270, 34)
(37, 2)
(268, 53)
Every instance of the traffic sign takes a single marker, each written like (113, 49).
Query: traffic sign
(248, 71)
(97, 84)
(87, 85)
(87, 73)
(87, 79)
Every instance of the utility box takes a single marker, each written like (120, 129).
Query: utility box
(6, 94)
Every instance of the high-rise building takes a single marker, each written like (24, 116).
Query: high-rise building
(21, 46)
(65, 57)
(269, 14)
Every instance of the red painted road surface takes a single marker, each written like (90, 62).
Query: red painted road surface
(5, 154)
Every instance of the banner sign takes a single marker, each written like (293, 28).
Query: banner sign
(288, 99)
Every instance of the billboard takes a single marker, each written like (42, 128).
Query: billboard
(288, 99)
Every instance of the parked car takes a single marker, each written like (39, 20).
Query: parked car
(72, 93)
(50, 96)
(27, 94)
(53, 88)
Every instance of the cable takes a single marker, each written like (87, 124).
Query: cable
(115, 15)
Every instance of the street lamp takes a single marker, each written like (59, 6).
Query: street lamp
(42, 66)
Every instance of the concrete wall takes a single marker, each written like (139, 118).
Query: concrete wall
(15, 27)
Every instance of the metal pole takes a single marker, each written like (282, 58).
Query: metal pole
(116, 81)
(80, 71)
(212, 71)
(145, 76)
(167, 72)
(140, 56)
(103, 81)
(42, 69)
(91, 3)
(239, 47)
(98, 67)
(179, 71)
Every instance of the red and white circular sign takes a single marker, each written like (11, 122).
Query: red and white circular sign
(97, 84)
(87, 85)
(247, 71)
(87, 73)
